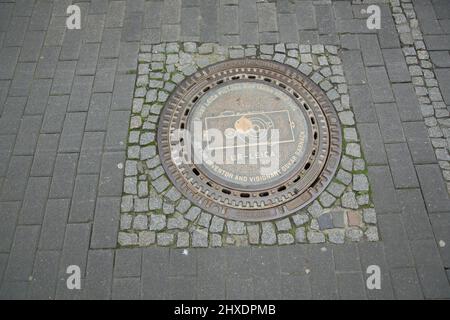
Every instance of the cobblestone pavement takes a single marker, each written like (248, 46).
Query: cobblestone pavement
(66, 98)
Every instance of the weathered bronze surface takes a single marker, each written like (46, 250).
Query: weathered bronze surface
(246, 99)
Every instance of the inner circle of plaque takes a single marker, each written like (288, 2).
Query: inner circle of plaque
(244, 116)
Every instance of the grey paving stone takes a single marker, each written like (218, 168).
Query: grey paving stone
(390, 123)
(123, 92)
(81, 93)
(190, 23)
(379, 84)
(265, 268)
(351, 286)
(117, 131)
(75, 251)
(238, 287)
(115, 15)
(44, 278)
(6, 147)
(55, 114)
(354, 67)
(91, 153)
(406, 284)
(295, 287)
(106, 223)
(396, 65)
(10, 212)
(99, 274)
(397, 250)
(54, 224)
(181, 288)
(323, 278)
(15, 182)
(370, 50)
(182, 263)
(418, 142)
(34, 201)
(346, 258)
(72, 133)
(16, 33)
(293, 259)
(62, 81)
(208, 23)
(14, 290)
(433, 188)
(45, 155)
(21, 82)
(288, 28)
(267, 18)
(372, 143)
(46, 66)
(402, 168)
(38, 97)
(384, 193)
(71, 45)
(32, 45)
(127, 57)
(372, 253)
(127, 263)
(99, 108)
(12, 114)
(83, 199)
(94, 28)
(440, 59)
(105, 75)
(9, 57)
(155, 268)
(430, 270)
(110, 44)
(64, 176)
(111, 177)
(126, 289)
(23, 250)
(437, 42)
(87, 62)
(41, 15)
(440, 223)
(443, 77)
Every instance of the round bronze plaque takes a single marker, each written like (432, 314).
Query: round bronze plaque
(249, 140)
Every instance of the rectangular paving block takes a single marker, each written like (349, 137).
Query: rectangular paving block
(208, 23)
(346, 258)
(433, 188)
(64, 176)
(117, 131)
(116, 14)
(372, 254)
(38, 97)
(45, 273)
(396, 65)
(81, 93)
(415, 215)
(91, 153)
(155, 267)
(131, 30)
(110, 44)
(265, 268)
(46, 66)
(437, 42)
(28, 135)
(239, 288)
(370, 50)
(372, 143)
(45, 155)
(6, 147)
(379, 84)
(105, 75)
(190, 23)
(238, 261)
(127, 62)
(430, 270)
(211, 275)
(74, 253)
(87, 62)
(55, 114)
(10, 213)
(440, 223)
(72, 133)
(71, 45)
(94, 28)
(41, 15)
(34, 201)
(62, 81)
(54, 224)
(390, 123)
(123, 92)
(408, 105)
(267, 17)
(288, 28)
(99, 274)
(443, 77)
(384, 193)
(152, 14)
(23, 77)
(23, 251)
(34, 40)
(111, 177)
(12, 114)
(351, 286)
(106, 223)
(406, 284)
(418, 142)
(293, 259)
(16, 33)
(127, 263)
(229, 20)
(126, 289)
(248, 11)
(354, 67)
(182, 264)
(83, 199)
(181, 288)
(16, 178)
(98, 113)
(401, 165)
(323, 277)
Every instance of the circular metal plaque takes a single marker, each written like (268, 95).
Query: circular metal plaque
(249, 140)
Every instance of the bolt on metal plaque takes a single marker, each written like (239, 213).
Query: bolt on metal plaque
(249, 140)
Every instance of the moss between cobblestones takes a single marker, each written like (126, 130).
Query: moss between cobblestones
(215, 57)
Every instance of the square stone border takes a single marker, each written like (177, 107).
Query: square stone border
(155, 213)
